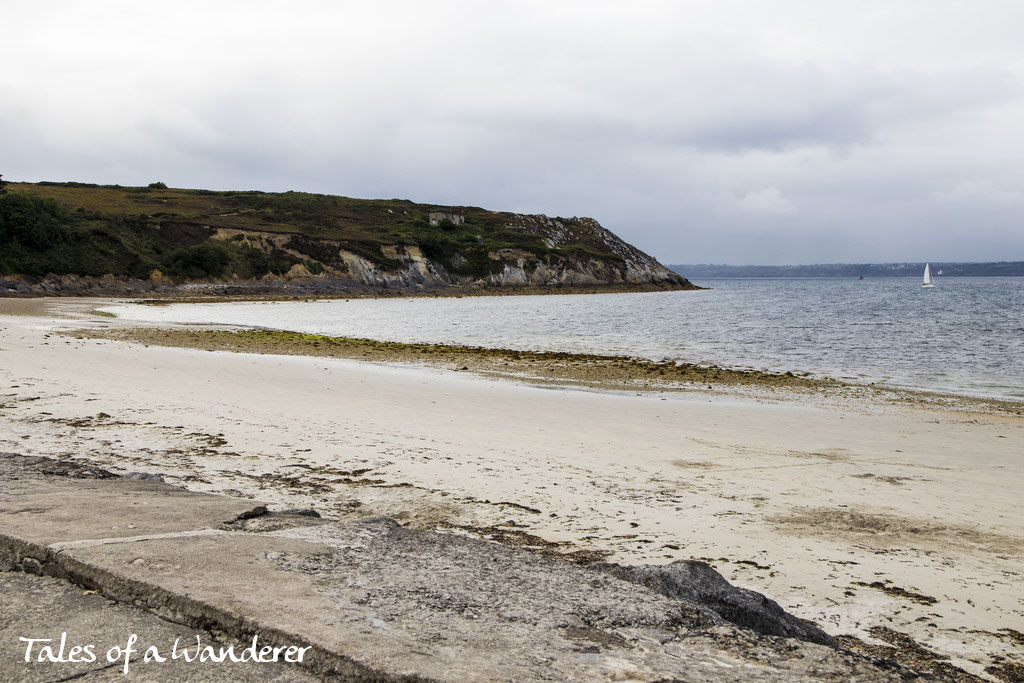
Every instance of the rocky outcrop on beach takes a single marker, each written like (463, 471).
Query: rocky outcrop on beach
(698, 582)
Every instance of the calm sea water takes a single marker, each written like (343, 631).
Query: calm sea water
(965, 336)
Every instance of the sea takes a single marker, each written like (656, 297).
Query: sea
(965, 336)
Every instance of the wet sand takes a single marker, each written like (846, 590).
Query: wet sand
(868, 517)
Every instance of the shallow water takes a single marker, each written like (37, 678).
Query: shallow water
(965, 336)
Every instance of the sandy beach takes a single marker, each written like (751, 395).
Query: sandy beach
(871, 519)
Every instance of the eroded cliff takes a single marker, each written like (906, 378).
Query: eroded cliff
(74, 237)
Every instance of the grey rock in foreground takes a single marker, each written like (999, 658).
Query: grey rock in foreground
(540, 617)
(697, 582)
(376, 601)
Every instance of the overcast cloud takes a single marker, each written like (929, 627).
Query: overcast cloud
(707, 131)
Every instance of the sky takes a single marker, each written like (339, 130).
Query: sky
(718, 131)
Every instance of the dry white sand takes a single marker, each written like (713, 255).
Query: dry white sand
(809, 505)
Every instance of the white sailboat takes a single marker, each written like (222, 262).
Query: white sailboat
(927, 277)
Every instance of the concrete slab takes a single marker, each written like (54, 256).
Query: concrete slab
(79, 502)
(41, 607)
(375, 601)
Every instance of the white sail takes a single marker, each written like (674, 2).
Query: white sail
(927, 277)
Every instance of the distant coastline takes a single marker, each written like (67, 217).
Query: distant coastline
(854, 270)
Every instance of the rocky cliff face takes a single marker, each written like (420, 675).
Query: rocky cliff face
(589, 265)
(102, 239)
(585, 255)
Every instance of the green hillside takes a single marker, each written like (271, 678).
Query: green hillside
(130, 232)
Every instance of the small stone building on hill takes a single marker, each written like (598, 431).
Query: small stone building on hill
(436, 217)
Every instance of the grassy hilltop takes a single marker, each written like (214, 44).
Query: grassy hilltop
(142, 232)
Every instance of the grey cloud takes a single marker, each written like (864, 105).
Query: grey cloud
(700, 131)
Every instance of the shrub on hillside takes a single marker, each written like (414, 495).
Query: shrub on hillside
(199, 261)
(31, 221)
